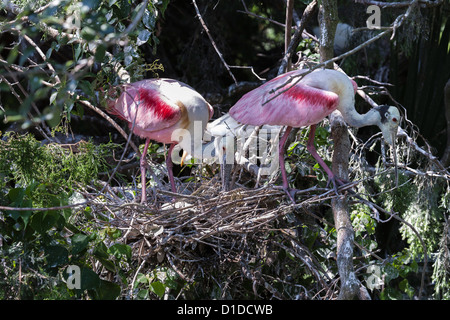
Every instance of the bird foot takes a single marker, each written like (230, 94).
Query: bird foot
(289, 192)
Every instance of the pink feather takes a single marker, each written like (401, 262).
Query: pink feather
(155, 112)
(296, 106)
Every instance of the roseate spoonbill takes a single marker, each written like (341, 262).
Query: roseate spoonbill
(167, 111)
(306, 102)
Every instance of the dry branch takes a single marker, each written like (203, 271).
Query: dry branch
(231, 225)
(213, 42)
(296, 38)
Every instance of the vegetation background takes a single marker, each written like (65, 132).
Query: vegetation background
(69, 173)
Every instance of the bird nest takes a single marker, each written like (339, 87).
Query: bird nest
(225, 236)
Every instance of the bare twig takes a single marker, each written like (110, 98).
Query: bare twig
(213, 42)
(260, 17)
(401, 4)
(296, 38)
(397, 23)
(288, 30)
(297, 78)
(43, 57)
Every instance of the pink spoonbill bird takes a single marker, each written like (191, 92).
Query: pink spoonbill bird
(166, 111)
(293, 100)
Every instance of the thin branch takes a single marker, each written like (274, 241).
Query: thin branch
(136, 20)
(43, 57)
(429, 155)
(288, 30)
(260, 17)
(69, 206)
(110, 120)
(251, 69)
(212, 41)
(397, 23)
(402, 4)
(45, 131)
(296, 38)
(322, 64)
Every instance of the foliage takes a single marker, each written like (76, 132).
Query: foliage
(54, 69)
(37, 246)
(76, 36)
(25, 162)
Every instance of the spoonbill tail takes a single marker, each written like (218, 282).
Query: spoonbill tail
(166, 111)
(288, 101)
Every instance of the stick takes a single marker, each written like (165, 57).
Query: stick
(212, 41)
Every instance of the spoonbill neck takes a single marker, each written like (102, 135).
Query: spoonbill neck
(357, 120)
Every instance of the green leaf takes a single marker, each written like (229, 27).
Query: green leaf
(78, 51)
(88, 34)
(100, 53)
(405, 287)
(89, 279)
(101, 253)
(52, 116)
(86, 87)
(143, 37)
(171, 283)
(79, 242)
(42, 221)
(107, 291)
(16, 196)
(163, 6)
(143, 294)
(158, 288)
(120, 250)
(56, 256)
(141, 278)
(114, 233)
(53, 97)
(91, 4)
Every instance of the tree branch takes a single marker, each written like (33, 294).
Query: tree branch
(296, 38)
(402, 4)
(212, 41)
(288, 30)
(350, 285)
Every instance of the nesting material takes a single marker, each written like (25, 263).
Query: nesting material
(211, 232)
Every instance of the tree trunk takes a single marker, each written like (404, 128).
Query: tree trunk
(345, 234)
(328, 19)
